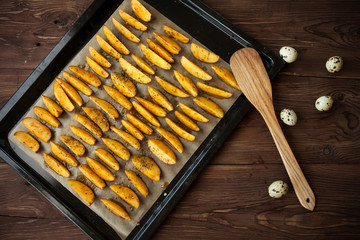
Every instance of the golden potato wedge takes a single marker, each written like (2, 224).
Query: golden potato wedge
(214, 91)
(179, 130)
(137, 182)
(167, 43)
(125, 32)
(152, 107)
(99, 58)
(126, 194)
(46, 116)
(124, 85)
(161, 151)
(187, 121)
(106, 107)
(127, 137)
(83, 191)
(115, 42)
(170, 88)
(209, 106)
(62, 98)
(226, 75)
(70, 91)
(86, 76)
(172, 139)
(194, 69)
(99, 70)
(147, 166)
(160, 98)
(117, 148)
(98, 117)
(139, 124)
(186, 83)
(89, 174)
(56, 166)
(83, 135)
(142, 64)
(106, 47)
(203, 54)
(154, 58)
(77, 83)
(175, 34)
(116, 208)
(132, 21)
(140, 11)
(118, 97)
(88, 124)
(27, 140)
(193, 113)
(132, 129)
(52, 106)
(146, 114)
(37, 128)
(107, 158)
(74, 145)
(160, 50)
(62, 154)
(133, 72)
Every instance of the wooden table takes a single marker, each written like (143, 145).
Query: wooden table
(229, 200)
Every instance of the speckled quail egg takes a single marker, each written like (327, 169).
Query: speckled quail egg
(278, 189)
(324, 103)
(334, 64)
(289, 54)
(288, 116)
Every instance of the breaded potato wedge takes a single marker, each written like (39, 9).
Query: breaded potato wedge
(56, 166)
(118, 97)
(170, 88)
(167, 43)
(62, 98)
(160, 98)
(132, 129)
(107, 158)
(124, 85)
(83, 135)
(117, 148)
(140, 11)
(160, 50)
(187, 84)
(139, 124)
(91, 175)
(126, 194)
(99, 58)
(226, 75)
(137, 182)
(106, 107)
(132, 21)
(77, 83)
(74, 145)
(27, 140)
(127, 137)
(125, 32)
(162, 151)
(46, 116)
(116, 208)
(115, 42)
(70, 91)
(52, 106)
(187, 121)
(209, 106)
(154, 58)
(88, 124)
(37, 128)
(214, 91)
(142, 64)
(171, 138)
(83, 191)
(179, 130)
(146, 114)
(152, 107)
(134, 73)
(175, 34)
(99, 70)
(147, 166)
(194, 69)
(193, 113)
(203, 54)
(98, 117)
(106, 47)
(86, 76)
(62, 154)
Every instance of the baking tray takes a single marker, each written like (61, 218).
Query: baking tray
(202, 23)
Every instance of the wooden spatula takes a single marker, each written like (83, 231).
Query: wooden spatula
(254, 82)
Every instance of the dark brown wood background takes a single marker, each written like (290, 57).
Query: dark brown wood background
(229, 200)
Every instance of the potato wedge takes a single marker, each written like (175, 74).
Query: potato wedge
(187, 121)
(160, 98)
(88, 124)
(106, 47)
(99, 70)
(147, 166)
(107, 158)
(77, 83)
(115, 42)
(83, 135)
(140, 11)
(37, 128)
(142, 64)
(154, 58)
(52, 106)
(160, 50)
(70, 91)
(117, 148)
(167, 43)
(170, 88)
(100, 170)
(194, 69)
(186, 83)
(98, 117)
(106, 107)
(137, 182)
(56, 166)
(193, 113)
(74, 145)
(139, 124)
(146, 114)
(125, 32)
(83, 191)
(134, 73)
(132, 21)
(99, 58)
(116, 208)
(171, 138)
(46, 116)
(203, 54)
(118, 97)
(127, 137)
(89, 174)
(62, 98)
(161, 151)
(124, 85)
(175, 34)
(126, 194)
(179, 130)
(27, 140)
(62, 154)
(209, 106)
(152, 107)
(226, 75)
(132, 129)
(86, 76)
(214, 91)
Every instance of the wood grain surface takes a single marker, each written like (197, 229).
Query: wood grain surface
(229, 200)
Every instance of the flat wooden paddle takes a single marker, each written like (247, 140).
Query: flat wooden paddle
(254, 82)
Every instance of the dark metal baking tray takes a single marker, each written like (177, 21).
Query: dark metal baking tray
(197, 19)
